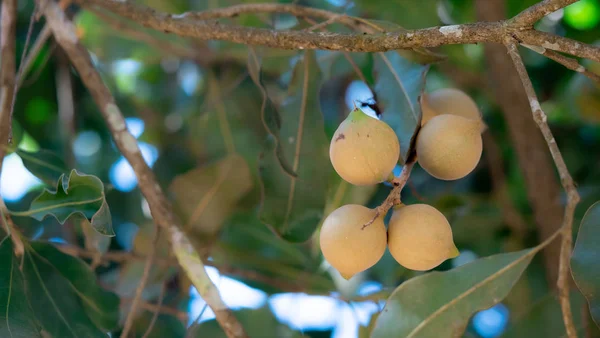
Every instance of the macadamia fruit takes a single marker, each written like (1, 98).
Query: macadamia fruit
(364, 150)
(420, 237)
(449, 146)
(349, 247)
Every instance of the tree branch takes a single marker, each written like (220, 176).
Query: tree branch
(567, 182)
(203, 25)
(64, 32)
(8, 22)
(534, 13)
(188, 24)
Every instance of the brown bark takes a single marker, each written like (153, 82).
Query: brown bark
(536, 166)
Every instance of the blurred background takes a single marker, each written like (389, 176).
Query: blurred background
(178, 94)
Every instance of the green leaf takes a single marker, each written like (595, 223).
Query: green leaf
(585, 261)
(293, 206)
(64, 295)
(412, 14)
(16, 316)
(80, 194)
(544, 319)
(245, 244)
(205, 196)
(269, 114)
(99, 305)
(399, 85)
(44, 164)
(439, 304)
(230, 121)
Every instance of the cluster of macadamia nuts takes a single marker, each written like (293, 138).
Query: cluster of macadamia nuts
(364, 151)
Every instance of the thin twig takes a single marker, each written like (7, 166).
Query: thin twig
(165, 310)
(567, 182)
(325, 23)
(142, 284)
(40, 41)
(20, 70)
(534, 13)
(27, 81)
(161, 297)
(568, 62)
(355, 67)
(65, 34)
(122, 257)
(167, 46)
(8, 28)
(28, 61)
(394, 196)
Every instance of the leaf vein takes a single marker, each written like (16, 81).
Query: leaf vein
(298, 143)
(397, 77)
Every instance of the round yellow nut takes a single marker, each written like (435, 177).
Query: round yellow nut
(349, 247)
(448, 101)
(364, 150)
(420, 237)
(449, 147)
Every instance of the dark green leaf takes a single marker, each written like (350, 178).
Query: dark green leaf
(16, 317)
(439, 304)
(399, 85)
(44, 164)
(53, 295)
(207, 195)
(293, 206)
(79, 194)
(98, 304)
(585, 261)
(269, 114)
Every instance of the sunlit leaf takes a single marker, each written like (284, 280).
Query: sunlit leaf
(269, 114)
(16, 316)
(585, 261)
(205, 196)
(79, 194)
(399, 85)
(293, 206)
(44, 164)
(439, 304)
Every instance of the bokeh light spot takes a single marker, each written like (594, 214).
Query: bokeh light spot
(492, 322)
(583, 15)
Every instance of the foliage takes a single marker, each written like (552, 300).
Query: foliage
(239, 138)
